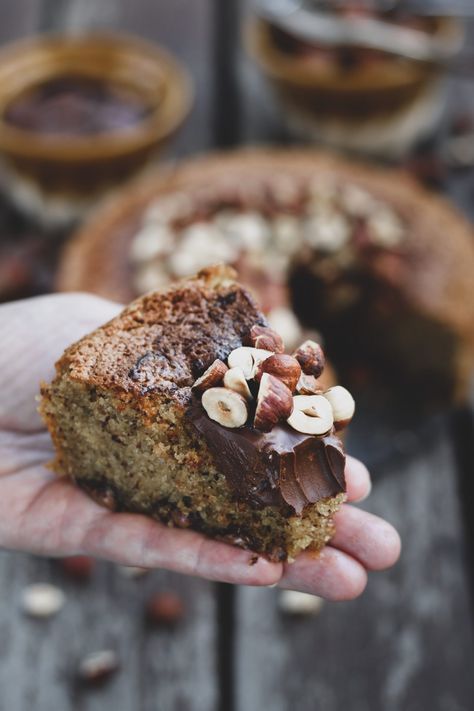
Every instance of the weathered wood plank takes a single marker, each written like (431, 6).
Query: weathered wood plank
(18, 19)
(405, 645)
(160, 669)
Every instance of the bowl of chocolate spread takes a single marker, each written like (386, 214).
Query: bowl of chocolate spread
(79, 115)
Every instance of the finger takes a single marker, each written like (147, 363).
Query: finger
(49, 516)
(358, 480)
(132, 539)
(368, 538)
(330, 574)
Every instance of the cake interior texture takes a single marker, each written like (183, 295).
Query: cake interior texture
(118, 408)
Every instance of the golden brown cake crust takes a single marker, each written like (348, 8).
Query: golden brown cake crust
(164, 340)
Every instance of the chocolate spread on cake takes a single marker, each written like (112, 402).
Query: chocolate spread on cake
(281, 465)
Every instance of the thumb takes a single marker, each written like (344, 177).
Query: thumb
(35, 332)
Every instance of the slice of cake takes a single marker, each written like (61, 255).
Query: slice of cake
(185, 407)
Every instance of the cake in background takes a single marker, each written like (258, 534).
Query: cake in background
(81, 114)
(380, 265)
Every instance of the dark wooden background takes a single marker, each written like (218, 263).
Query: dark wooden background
(406, 645)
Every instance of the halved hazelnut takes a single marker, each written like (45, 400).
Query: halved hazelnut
(308, 385)
(281, 366)
(98, 667)
(42, 599)
(225, 406)
(211, 377)
(343, 405)
(312, 414)
(234, 379)
(274, 403)
(248, 359)
(310, 356)
(266, 338)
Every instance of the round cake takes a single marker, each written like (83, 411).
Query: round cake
(382, 267)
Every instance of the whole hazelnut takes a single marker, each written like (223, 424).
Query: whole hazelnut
(165, 609)
(281, 366)
(211, 377)
(274, 403)
(266, 338)
(311, 358)
(78, 567)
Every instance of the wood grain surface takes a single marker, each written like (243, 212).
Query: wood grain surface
(159, 668)
(405, 645)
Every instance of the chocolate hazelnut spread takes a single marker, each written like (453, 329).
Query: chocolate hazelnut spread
(75, 106)
(281, 466)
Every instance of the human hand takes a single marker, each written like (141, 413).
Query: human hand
(42, 513)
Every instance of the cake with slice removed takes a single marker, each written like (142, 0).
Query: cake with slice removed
(185, 408)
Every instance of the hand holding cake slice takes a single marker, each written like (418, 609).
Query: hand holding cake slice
(186, 408)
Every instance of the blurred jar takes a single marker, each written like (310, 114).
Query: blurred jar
(79, 115)
(355, 98)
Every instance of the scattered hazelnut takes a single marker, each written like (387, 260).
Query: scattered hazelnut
(225, 406)
(78, 567)
(281, 366)
(234, 379)
(98, 667)
(311, 358)
(211, 377)
(248, 359)
(274, 403)
(343, 405)
(308, 385)
(293, 602)
(266, 338)
(165, 609)
(312, 414)
(132, 571)
(42, 600)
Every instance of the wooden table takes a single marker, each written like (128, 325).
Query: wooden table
(405, 645)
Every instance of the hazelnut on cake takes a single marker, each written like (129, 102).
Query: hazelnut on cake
(186, 408)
